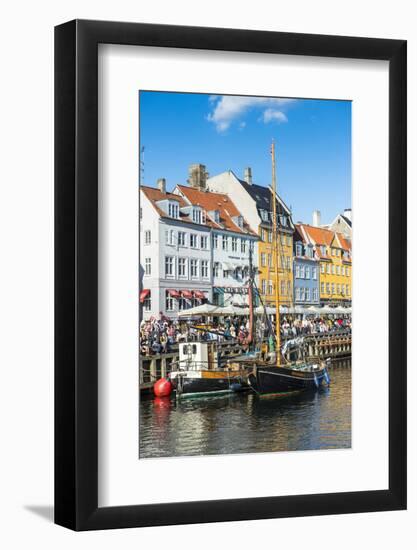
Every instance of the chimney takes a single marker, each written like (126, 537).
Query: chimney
(162, 185)
(248, 175)
(348, 213)
(197, 176)
(316, 218)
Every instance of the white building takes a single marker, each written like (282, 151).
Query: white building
(232, 241)
(175, 253)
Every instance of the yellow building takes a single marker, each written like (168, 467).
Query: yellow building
(255, 203)
(334, 252)
(266, 265)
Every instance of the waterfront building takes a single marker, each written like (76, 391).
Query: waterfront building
(342, 224)
(232, 241)
(334, 253)
(255, 203)
(306, 269)
(175, 253)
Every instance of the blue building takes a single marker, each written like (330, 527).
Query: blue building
(305, 270)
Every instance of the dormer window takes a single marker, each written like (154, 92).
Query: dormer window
(264, 215)
(215, 214)
(299, 249)
(173, 210)
(238, 220)
(197, 215)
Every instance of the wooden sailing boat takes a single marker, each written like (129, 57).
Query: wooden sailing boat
(282, 376)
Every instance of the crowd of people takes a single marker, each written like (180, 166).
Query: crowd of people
(162, 335)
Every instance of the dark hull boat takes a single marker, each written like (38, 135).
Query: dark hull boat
(209, 383)
(273, 380)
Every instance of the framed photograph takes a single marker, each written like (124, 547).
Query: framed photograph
(230, 337)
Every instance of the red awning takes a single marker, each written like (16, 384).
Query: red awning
(174, 293)
(187, 293)
(199, 294)
(143, 295)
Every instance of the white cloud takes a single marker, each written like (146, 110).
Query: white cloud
(227, 109)
(272, 115)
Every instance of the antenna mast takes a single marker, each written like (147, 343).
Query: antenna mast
(275, 248)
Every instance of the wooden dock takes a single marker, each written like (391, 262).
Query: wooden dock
(335, 345)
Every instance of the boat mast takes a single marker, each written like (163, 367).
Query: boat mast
(250, 297)
(275, 248)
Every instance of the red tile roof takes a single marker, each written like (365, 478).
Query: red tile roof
(321, 236)
(210, 201)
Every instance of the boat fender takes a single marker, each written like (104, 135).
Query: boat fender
(315, 380)
(162, 387)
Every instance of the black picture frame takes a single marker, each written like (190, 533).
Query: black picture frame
(76, 272)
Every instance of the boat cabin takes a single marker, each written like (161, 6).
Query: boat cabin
(198, 355)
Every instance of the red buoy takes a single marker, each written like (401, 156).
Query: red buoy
(162, 387)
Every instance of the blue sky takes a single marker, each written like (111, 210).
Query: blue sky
(313, 144)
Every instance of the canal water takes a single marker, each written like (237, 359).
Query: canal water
(245, 423)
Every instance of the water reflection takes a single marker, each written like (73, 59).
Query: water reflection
(244, 423)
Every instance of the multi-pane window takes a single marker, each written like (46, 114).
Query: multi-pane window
(169, 266)
(327, 288)
(298, 249)
(170, 236)
(270, 287)
(297, 271)
(194, 268)
(315, 295)
(263, 259)
(182, 267)
(322, 288)
(173, 210)
(263, 234)
(270, 236)
(147, 303)
(196, 215)
(234, 244)
(215, 240)
(263, 286)
(323, 268)
(182, 304)
(332, 288)
(343, 270)
(328, 269)
(302, 272)
(224, 242)
(204, 269)
(303, 295)
(307, 272)
(148, 266)
(216, 269)
(193, 240)
(297, 293)
(347, 290)
(338, 270)
(289, 288)
(147, 237)
(169, 302)
(243, 246)
(343, 289)
(181, 238)
(282, 288)
(314, 273)
(203, 242)
(338, 289)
